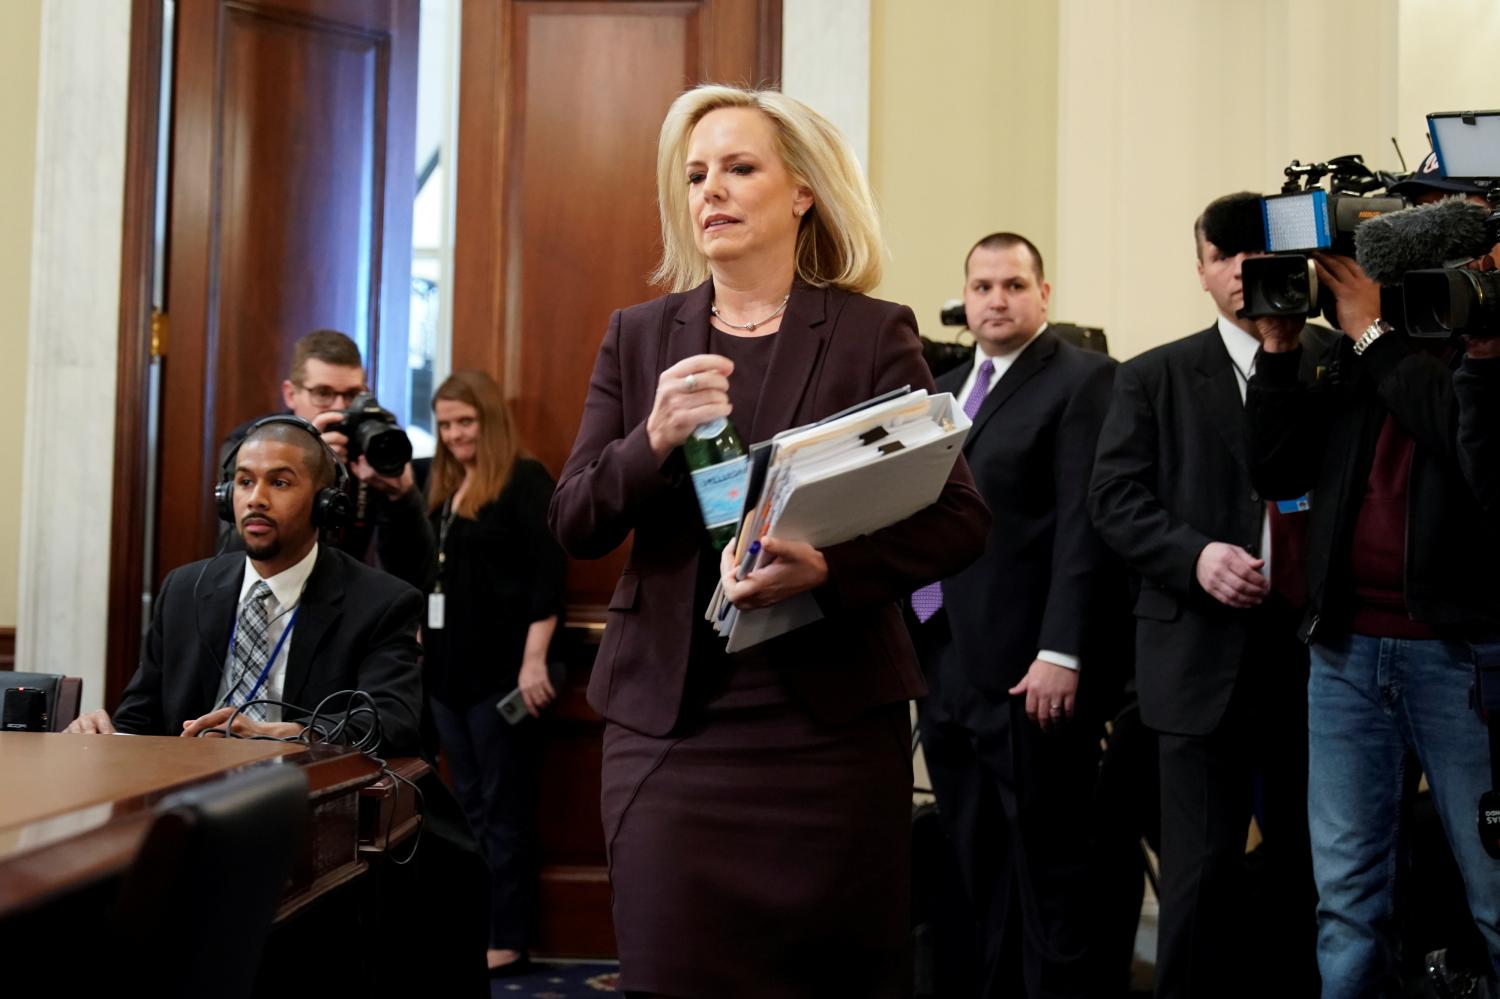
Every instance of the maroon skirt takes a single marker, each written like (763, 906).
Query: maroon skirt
(762, 853)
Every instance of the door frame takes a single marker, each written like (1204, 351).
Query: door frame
(136, 348)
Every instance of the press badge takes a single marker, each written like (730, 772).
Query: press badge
(435, 611)
(1301, 504)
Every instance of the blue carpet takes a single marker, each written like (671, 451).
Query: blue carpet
(559, 981)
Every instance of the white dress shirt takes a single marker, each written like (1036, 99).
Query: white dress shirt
(1002, 363)
(286, 593)
(1243, 349)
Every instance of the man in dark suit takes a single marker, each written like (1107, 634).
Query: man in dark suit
(1011, 744)
(1221, 677)
(295, 621)
(291, 620)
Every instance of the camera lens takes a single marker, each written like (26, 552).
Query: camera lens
(386, 447)
(1452, 300)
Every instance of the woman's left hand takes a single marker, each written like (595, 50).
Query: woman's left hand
(536, 688)
(787, 568)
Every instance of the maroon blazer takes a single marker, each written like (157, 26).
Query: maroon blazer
(834, 349)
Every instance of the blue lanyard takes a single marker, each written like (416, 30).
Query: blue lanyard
(234, 635)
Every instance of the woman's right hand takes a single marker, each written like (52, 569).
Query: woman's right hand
(690, 393)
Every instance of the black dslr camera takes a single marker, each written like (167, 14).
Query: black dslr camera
(1305, 217)
(374, 433)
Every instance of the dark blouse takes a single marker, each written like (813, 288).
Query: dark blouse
(716, 678)
(500, 573)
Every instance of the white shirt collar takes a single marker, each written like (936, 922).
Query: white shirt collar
(1005, 360)
(1242, 347)
(286, 586)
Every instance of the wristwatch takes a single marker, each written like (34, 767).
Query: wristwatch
(1373, 332)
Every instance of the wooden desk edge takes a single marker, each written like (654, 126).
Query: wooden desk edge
(32, 877)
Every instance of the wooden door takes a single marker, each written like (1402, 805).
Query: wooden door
(560, 105)
(292, 177)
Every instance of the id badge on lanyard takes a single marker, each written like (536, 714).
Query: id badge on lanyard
(436, 597)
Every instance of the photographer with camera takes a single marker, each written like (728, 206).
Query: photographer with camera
(1400, 578)
(326, 387)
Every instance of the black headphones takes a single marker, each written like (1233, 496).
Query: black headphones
(332, 507)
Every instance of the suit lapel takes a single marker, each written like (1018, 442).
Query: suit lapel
(1032, 360)
(794, 359)
(317, 611)
(218, 603)
(687, 328)
(1218, 386)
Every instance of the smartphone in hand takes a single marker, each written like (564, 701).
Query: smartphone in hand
(512, 706)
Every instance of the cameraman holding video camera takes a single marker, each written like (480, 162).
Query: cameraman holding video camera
(326, 387)
(1400, 578)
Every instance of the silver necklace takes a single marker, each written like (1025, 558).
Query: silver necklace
(749, 327)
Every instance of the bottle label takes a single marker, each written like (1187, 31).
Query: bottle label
(713, 428)
(721, 491)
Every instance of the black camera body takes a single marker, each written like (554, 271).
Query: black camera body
(1305, 217)
(1444, 301)
(375, 433)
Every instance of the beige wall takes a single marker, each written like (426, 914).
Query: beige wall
(20, 42)
(963, 136)
(1166, 105)
(1443, 69)
(1100, 128)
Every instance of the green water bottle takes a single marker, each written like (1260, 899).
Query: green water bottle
(718, 462)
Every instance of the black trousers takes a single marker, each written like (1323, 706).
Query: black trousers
(494, 766)
(1232, 924)
(1015, 803)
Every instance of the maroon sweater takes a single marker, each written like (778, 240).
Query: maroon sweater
(1377, 558)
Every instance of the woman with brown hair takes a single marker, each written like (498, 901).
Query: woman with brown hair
(494, 592)
(757, 805)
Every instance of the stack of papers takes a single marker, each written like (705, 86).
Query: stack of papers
(850, 474)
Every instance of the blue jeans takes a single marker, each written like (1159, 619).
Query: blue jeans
(1369, 700)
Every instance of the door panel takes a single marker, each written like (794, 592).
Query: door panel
(292, 181)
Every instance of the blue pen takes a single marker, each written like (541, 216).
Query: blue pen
(739, 574)
(745, 562)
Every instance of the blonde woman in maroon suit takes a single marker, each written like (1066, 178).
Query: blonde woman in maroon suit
(756, 806)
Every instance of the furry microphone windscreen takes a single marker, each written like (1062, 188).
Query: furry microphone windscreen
(1421, 238)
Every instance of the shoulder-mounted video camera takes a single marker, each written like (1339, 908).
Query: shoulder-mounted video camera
(1305, 217)
(1433, 252)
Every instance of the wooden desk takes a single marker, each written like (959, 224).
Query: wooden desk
(75, 809)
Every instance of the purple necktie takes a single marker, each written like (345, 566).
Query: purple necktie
(929, 599)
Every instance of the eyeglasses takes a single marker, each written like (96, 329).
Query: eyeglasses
(323, 395)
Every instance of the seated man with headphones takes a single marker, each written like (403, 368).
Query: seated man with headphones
(265, 636)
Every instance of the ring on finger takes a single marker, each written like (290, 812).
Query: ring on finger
(690, 382)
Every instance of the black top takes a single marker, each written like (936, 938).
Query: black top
(500, 573)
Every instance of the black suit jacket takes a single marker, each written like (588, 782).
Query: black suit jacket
(1045, 577)
(357, 629)
(1172, 475)
(834, 349)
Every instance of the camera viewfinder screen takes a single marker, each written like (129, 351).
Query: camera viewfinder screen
(1297, 221)
(1467, 144)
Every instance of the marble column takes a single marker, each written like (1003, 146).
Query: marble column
(66, 516)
